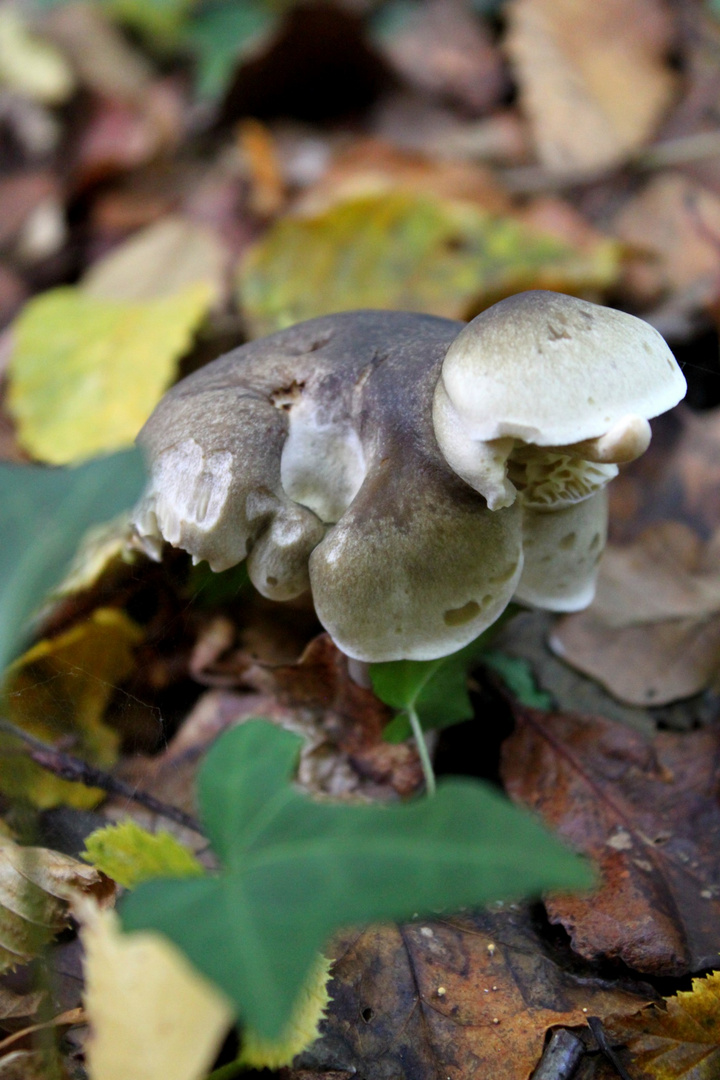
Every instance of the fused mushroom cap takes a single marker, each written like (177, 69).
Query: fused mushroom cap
(554, 370)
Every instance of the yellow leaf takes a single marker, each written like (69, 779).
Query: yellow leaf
(60, 688)
(407, 251)
(86, 373)
(35, 887)
(681, 1042)
(302, 1030)
(152, 1016)
(30, 66)
(129, 854)
(102, 549)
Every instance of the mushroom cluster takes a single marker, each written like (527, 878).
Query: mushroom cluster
(414, 472)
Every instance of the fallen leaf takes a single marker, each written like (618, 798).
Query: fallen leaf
(594, 78)
(646, 812)
(410, 252)
(36, 886)
(24, 1065)
(652, 633)
(100, 53)
(29, 65)
(86, 373)
(13, 1006)
(162, 260)
(373, 166)
(676, 222)
(442, 48)
(130, 854)
(58, 691)
(275, 902)
(471, 996)
(678, 1039)
(151, 1014)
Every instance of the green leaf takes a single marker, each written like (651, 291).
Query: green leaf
(295, 870)
(130, 854)
(410, 252)
(518, 676)
(220, 34)
(43, 514)
(435, 689)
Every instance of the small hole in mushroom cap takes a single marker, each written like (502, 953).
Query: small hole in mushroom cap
(505, 575)
(595, 542)
(460, 615)
(272, 581)
(591, 401)
(568, 541)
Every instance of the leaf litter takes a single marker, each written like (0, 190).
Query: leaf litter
(546, 147)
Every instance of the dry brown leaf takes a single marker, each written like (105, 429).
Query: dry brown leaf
(593, 77)
(677, 222)
(160, 261)
(442, 48)
(344, 755)
(647, 814)
(652, 634)
(468, 997)
(14, 1006)
(36, 885)
(680, 1041)
(372, 166)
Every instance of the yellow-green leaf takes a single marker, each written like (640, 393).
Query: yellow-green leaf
(410, 252)
(681, 1041)
(130, 854)
(86, 373)
(301, 1031)
(35, 887)
(59, 689)
(152, 1016)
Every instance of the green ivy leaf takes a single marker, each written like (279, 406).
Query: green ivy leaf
(436, 690)
(295, 870)
(517, 675)
(43, 514)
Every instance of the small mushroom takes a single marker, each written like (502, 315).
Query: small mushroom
(317, 454)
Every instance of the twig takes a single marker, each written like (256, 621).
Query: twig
(70, 1018)
(71, 768)
(595, 1025)
(561, 1057)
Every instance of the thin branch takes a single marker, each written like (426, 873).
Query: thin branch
(596, 1026)
(71, 768)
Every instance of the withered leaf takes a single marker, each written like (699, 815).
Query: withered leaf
(467, 997)
(593, 94)
(652, 634)
(680, 1041)
(646, 811)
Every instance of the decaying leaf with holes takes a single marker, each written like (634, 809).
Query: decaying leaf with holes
(646, 812)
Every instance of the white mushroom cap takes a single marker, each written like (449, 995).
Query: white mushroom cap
(562, 551)
(553, 370)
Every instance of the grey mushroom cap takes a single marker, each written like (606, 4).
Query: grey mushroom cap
(545, 370)
(554, 370)
(312, 453)
(342, 455)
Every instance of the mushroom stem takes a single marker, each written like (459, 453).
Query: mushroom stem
(422, 747)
